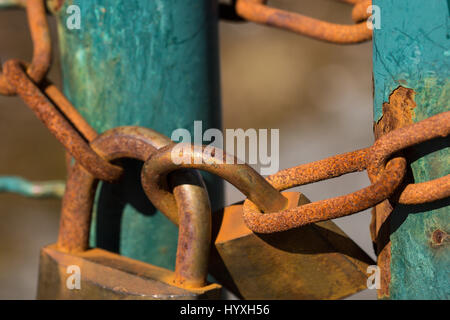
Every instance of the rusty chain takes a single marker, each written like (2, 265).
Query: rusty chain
(257, 11)
(94, 153)
(385, 175)
(42, 49)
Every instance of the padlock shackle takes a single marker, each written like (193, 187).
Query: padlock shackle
(194, 233)
(192, 203)
(212, 160)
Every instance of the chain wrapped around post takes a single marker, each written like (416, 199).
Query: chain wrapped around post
(263, 195)
(265, 210)
(385, 178)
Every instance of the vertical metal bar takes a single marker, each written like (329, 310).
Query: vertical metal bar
(411, 55)
(146, 63)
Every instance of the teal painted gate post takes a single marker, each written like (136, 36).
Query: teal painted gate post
(146, 63)
(411, 54)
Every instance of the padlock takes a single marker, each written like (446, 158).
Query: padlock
(70, 269)
(317, 261)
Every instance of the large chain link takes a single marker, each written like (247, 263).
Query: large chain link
(259, 12)
(42, 52)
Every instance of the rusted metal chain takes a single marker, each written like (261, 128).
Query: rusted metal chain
(360, 12)
(72, 114)
(242, 176)
(195, 225)
(190, 196)
(69, 111)
(257, 11)
(320, 170)
(252, 184)
(434, 127)
(385, 179)
(116, 143)
(93, 153)
(58, 125)
(42, 51)
(329, 208)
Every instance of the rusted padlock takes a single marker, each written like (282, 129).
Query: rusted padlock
(69, 269)
(318, 261)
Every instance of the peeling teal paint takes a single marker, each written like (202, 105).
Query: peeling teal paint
(412, 49)
(144, 63)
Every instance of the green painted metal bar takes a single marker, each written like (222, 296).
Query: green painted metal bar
(412, 50)
(44, 189)
(144, 63)
(12, 4)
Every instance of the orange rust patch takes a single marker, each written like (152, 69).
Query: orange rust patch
(399, 112)
(233, 225)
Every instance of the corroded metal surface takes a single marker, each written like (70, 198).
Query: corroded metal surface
(437, 126)
(138, 143)
(318, 261)
(137, 81)
(106, 275)
(72, 114)
(242, 176)
(182, 197)
(386, 178)
(58, 125)
(320, 170)
(329, 208)
(257, 11)
(397, 113)
(191, 199)
(194, 235)
(42, 50)
(360, 10)
(413, 58)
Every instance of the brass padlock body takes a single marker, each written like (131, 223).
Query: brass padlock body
(318, 261)
(106, 275)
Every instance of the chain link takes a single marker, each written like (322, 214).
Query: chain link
(386, 178)
(42, 49)
(257, 11)
(57, 123)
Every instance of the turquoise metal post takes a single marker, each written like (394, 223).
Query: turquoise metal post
(412, 55)
(145, 63)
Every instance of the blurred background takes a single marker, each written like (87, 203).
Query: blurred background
(318, 95)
